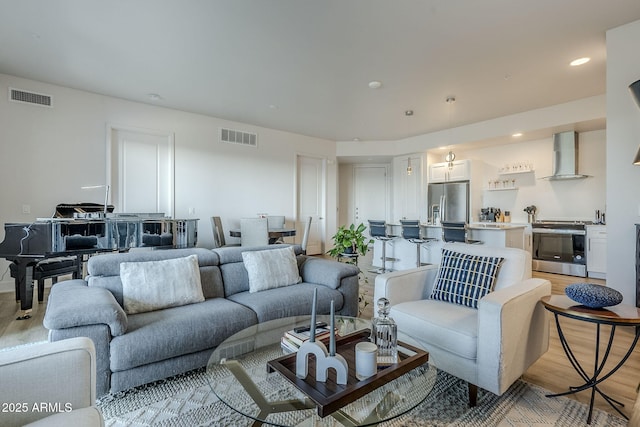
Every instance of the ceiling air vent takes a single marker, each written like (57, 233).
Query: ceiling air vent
(18, 95)
(231, 136)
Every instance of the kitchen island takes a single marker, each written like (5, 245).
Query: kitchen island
(401, 254)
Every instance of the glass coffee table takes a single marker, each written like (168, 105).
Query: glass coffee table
(238, 374)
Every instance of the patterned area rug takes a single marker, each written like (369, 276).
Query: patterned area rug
(187, 400)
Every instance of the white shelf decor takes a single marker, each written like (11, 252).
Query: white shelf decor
(501, 189)
(515, 172)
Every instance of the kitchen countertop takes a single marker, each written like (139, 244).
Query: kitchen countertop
(485, 226)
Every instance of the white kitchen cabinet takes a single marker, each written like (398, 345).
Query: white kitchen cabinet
(596, 251)
(440, 172)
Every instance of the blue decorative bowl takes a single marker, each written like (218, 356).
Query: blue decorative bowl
(592, 295)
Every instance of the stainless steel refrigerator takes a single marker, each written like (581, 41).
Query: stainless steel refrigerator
(448, 201)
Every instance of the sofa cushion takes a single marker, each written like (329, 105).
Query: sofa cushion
(172, 332)
(515, 268)
(154, 285)
(271, 269)
(104, 269)
(450, 327)
(464, 279)
(290, 301)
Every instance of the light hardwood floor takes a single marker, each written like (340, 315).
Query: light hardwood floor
(552, 371)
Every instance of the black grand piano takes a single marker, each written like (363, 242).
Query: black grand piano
(66, 241)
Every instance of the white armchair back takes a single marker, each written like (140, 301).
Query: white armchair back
(489, 347)
(61, 373)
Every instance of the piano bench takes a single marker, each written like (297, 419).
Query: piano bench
(51, 269)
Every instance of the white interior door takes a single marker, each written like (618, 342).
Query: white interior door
(371, 193)
(141, 171)
(311, 201)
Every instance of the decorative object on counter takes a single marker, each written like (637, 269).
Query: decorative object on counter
(531, 213)
(507, 216)
(317, 348)
(384, 333)
(592, 295)
(599, 219)
(489, 214)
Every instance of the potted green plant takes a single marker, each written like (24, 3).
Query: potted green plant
(350, 240)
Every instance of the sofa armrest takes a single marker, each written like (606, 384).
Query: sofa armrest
(405, 285)
(326, 272)
(513, 332)
(72, 303)
(39, 376)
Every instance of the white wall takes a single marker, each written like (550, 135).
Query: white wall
(623, 178)
(559, 200)
(47, 154)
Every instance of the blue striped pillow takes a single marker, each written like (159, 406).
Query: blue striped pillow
(464, 279)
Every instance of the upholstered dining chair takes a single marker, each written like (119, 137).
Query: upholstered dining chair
(254, 232)
(218, 233)
(274, 222)
(478, 313)
(305, 235)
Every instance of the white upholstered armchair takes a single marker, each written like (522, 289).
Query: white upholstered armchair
(490, 346)
(49, 384)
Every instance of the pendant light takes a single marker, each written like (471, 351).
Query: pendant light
(450, 157)
(408, 113)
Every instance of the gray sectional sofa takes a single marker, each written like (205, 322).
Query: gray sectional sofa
(134, 349)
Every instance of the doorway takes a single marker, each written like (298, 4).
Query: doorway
(311, 187)
(371, 191)
(141, 170)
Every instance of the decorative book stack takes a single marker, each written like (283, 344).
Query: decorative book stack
(293, 339)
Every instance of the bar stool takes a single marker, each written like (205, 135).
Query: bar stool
(411, 233)
(378, 231)
(457, 232)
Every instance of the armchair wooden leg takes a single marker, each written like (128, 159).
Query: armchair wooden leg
(473, 394)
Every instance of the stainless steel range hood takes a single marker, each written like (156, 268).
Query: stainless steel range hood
(565, 157)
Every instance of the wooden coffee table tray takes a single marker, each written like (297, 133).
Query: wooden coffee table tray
(329, 396)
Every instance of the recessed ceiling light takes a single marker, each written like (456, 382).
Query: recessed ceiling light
(408, 113)
(375, 84)
(154, 97)
(517, 134)
(579, 61)
(356, 139)
(273, 107)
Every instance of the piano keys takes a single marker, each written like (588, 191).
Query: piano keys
(27, 244)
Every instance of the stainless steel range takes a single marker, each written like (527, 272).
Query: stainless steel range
(559, 247)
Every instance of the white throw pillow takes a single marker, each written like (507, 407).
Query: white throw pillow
(271, 268)
(154, 285)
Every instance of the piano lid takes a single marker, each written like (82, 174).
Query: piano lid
(67, 210)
